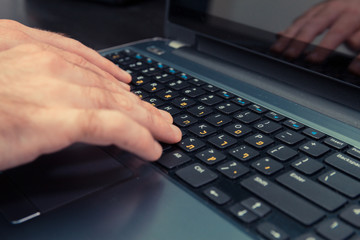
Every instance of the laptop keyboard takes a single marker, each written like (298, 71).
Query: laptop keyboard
(262, 169)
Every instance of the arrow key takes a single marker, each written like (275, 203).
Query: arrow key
(216, 195)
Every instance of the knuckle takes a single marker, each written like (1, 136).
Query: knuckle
(89, 124)
(9, 23)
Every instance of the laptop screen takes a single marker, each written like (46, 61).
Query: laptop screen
(306, 33)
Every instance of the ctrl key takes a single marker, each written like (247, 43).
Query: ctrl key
(196, 175)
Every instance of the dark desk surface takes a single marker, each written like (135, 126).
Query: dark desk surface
(96, 25)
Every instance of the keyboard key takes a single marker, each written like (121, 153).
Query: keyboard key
(241, 101)
(313, 133)
(193, 92)
(243, 153)
(282, 153)
(247, 117)
(218, 120)
(256, 206)
(314, 149)
(163, 77)
(167, 94)
(196, 175)
(267, 126)
(271, 232)
(334, 229)
(210, 156)
(284, 200)
(307, 165)
(156, 102)
(141, 94)
(173, 159)
(140, 80)
(210, 99)
(274, 116)
(335, 143)
(210, 88)
(243, 214)
(196, 82)
(355, 152)
(312, 191)
(259, 141)
(200, 110)
(233, 169)
(293, 124)
(352, 215)
(309, 236)
(184, 76)
(202, 130)
(191, 144)
(237, 130)
(267, 166)
(225, 94)
(184, 120)
(345, 163)
(183, 102)
(290, 137)
(258, 109)
(228, 108)
(178, 84)
(341, 182)
(170, 109)
(222, 141)
(171, 70)
(216, 195)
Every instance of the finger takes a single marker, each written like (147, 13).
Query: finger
(354, 67)
(70, 45)
(342, 29)
(354, 41)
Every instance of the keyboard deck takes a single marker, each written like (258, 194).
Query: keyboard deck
(273, 175)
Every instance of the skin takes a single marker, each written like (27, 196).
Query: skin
(55, 92)
(341, 19)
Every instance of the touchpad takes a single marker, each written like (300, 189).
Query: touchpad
(56, 179)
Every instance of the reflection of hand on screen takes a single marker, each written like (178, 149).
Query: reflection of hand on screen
(340, 17)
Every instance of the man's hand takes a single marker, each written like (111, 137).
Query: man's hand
(55, 92)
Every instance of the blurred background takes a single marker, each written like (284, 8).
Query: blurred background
(97, 23)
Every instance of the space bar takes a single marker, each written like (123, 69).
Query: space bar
(282, 199)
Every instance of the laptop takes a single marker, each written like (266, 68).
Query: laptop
(270, 147)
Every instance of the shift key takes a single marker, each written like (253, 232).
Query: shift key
(284, 200)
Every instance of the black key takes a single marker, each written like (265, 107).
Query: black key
(173, 159)
(222, 141)
(153, 87)
(193, 92)
(241, 101)
(341, 182)
(258, 109)
(313, 133)
(210, 99)
(141, 94)
(309, 236)
(243, 214)
(355, 152)
(256, 206)
(293, 124)
(218, 120)
(267, 126)
(282, 153)
(200, 110)
(237, 130)
(335, 143)
(156, 102)
(290, 137)
(163, 77)
(167, 94)
(178, 84)
(184, 120)
(210, 88)
(314, 149)
(202, 130)
(139, 65)
(247, 116)
(274, 116)
(267, 166)
(184, 76)
(345, 163)
(216, 195)
(259, 141)
(150, 71)
(307, 165)
(138, 56)
(170, 109)
(210, 156)
(271, 232)
(171, 70)
(196, 82)
(227, 108)
(243, 153)
(183, 102)
(139, 80)
(191, 144)
(334, 229)
(225, 94)
(311, 190)
(233, 169)
(352, 215)
(161, 66)
(283, 199)
(196, 175)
